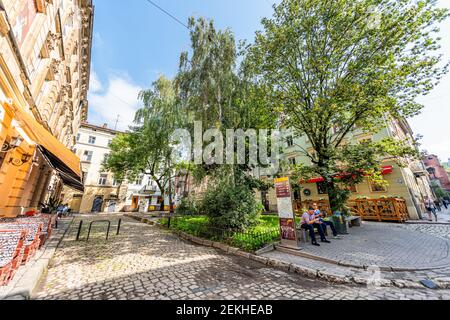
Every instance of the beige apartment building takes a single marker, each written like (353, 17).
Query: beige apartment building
(101, 192)
(45, 54)
(409, 181)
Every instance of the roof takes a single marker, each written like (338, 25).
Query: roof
(99, 128)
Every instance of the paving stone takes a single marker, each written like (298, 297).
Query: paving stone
(147, 262)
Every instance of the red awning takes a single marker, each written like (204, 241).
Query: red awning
(384, 171)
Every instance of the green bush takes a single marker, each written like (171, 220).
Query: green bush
(187, 207)
(265, 231)
(231, 207)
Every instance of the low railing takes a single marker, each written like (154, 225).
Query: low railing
(389, 209)
(247, 240)
(381, 209)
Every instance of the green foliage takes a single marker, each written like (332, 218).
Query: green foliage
(187, 206)
(438, 191)
(339, 66)
(147, 148)
(231, 207)
(52, 204)
(265, 231)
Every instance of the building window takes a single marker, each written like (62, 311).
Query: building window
(103, 178)
(138, 181)
(92, 140)
(115, 183)
(292, 161)
(105, 157)
(290, 141)
(78, 137)
(87, 156)
(321, 188)
(376, 187)
(109, 142)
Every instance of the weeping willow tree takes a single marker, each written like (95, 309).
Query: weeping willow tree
(214, 89)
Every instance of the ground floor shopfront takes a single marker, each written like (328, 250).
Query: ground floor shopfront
(108, 199)
(403, 183)
(146, 203)
(33, 164)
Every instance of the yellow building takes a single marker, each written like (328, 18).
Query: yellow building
(409, 181)
(101, 192)
(45, 51)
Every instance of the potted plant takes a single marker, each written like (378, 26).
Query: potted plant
(340, 221)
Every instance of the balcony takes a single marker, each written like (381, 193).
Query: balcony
(150, 190)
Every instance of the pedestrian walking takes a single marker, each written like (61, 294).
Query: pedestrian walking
(431, 209)
(437, 204)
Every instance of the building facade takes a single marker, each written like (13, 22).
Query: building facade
(101, 192)
(437, 171)
(45, 53)
(408, 181)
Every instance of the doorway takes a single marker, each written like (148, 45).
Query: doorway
(98, 204)
(112, 206)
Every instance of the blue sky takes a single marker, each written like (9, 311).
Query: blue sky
(134, 43)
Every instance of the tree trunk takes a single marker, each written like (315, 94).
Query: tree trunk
(170, 197)
(161, 206)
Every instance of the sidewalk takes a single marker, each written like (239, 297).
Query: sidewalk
(401, 255)
(28, 276)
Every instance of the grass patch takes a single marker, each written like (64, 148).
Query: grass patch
(265, 232)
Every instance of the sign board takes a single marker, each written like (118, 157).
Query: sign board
(286, 214)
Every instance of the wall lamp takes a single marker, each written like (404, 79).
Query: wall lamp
(20, 162)
(13, 144)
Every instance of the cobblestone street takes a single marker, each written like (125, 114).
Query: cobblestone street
(147, 262)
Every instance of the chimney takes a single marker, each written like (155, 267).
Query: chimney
(105, 125)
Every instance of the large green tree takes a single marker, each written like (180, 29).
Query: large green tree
(147, 148)
(334, 66)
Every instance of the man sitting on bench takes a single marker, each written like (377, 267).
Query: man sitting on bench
(309, 222)
(320, 216)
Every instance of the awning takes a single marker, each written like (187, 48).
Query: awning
(384, 171)
(64, 161)
(66, 174)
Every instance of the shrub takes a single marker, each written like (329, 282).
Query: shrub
(187, 207)
(231, 207)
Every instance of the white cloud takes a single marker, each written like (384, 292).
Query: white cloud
(433, 122)
(120, 98)
(95, 85)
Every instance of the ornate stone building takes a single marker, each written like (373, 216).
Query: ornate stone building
(45, 53)
(437, 172)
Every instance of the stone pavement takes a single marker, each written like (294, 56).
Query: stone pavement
(415, 252)
(387, 246)
(148, 262)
